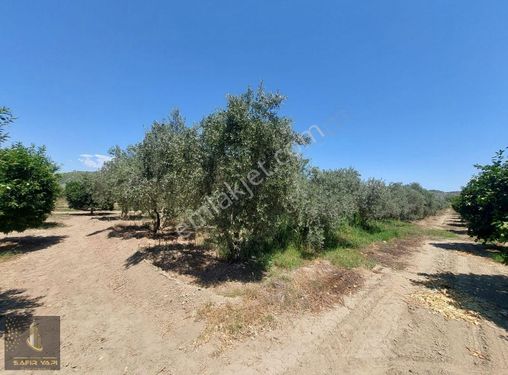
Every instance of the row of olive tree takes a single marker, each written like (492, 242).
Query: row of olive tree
(233, 173)
(237, 174)
(328, 199)
(161, 175)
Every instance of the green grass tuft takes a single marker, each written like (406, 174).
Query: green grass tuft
(344, 249)
(353, 236)
(347, 258)
(288, 258)
(439, 233)
(500, 258)
(5, 255)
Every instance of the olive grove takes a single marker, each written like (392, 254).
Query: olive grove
(237, 175)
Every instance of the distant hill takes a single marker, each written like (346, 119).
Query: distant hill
(446, 195)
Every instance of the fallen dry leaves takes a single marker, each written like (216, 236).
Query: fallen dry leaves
(444, 302)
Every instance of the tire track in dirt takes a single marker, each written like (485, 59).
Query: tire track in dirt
(140, 320)
(384, 332)
(114, 320)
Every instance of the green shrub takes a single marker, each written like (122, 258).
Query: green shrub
(28, 187)
(483, 203)
(88, 192)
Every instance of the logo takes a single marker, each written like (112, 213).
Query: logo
(34, 340)
(32, 343)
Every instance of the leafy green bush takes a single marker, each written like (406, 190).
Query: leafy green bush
(88, 192)
(28, 187)
(483, 203)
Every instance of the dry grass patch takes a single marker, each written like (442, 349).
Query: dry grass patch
(261, 306)
(393, 253)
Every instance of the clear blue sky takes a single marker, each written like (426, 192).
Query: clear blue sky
(404, 90)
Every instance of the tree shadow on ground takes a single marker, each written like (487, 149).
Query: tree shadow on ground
(197, 262)
(456, 226)
(14, 303)
(51, 225)
(99, 231)
(484, 251)
(460, 232)
(140, 231)
(129, 231)
(84, 213)
(119, 218)
(27, 244)
(485, 294)
(455, 223)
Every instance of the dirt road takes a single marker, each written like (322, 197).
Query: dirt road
(446, 313)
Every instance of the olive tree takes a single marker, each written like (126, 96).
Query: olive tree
(373, 202)
(167, 165)
(324, 201)
(122, 175)
(249, 171)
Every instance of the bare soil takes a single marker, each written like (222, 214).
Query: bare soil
(127, 307)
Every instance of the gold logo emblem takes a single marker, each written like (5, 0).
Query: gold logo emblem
(34, 340)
